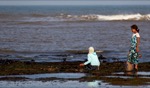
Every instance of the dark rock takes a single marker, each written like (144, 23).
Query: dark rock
(100, 57)
(32, 60)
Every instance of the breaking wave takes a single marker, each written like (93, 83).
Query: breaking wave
(67, 17)
(118, 17)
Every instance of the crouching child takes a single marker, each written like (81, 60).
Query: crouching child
(92, 62)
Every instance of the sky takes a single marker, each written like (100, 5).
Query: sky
(74, 2)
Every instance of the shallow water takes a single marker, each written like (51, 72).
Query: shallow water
(62, 80)
(137, 73)
(50, 75)
(61, 84)
(115, 44)
(130, 75)
(59, 28)
(44, 57)
(54, 84)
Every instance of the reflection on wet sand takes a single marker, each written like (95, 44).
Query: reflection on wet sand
(96, 84)
(131, 73)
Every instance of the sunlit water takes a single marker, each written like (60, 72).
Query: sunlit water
(62, 80)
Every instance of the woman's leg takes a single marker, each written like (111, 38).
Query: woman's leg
(135, 59)
(136, 66)
(129, 66)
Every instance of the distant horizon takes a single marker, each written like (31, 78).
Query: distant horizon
(68, 2)
(74, 5)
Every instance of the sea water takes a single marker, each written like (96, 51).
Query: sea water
(61, 28)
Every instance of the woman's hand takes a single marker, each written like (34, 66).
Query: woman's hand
(137, 49)
(81, 65)
(140, 55)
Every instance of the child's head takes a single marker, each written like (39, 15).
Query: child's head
(134, 28)
(91, 50)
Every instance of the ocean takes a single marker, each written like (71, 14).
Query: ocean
(45, 33)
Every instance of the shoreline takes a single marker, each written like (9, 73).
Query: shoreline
(15, 67)
(112, 73)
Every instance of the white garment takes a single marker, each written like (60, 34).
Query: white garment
(93, 60)
(137, 34)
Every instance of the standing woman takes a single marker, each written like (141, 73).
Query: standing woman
(134, 50)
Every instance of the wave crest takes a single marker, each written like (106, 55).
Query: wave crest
(118, 17)
(90, 17)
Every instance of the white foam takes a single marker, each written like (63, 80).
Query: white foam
(117, 17)
(120, 17)
(148, 16)
(89, 17)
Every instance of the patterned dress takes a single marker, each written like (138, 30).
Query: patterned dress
(133, 55)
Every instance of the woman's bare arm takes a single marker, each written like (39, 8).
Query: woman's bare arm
(138, 43)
